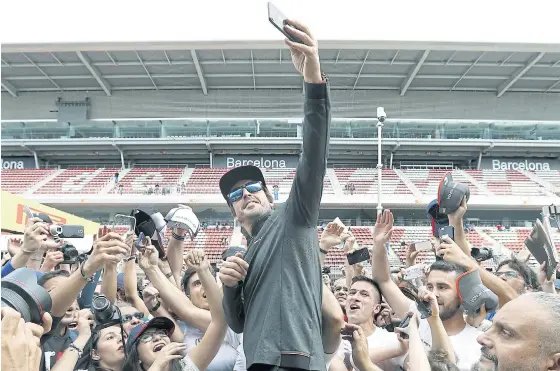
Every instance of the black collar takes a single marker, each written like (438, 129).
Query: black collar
(257, 225)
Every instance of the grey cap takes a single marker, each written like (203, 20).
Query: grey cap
(473, 294)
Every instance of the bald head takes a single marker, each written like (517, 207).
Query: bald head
(549, 312)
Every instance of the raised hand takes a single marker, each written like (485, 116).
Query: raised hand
(167, 354)
(332, 235)
(35, 235)
(306, 55)
(430, 297)
(196, 260)
(149, 257)
(383, 229)
(108, 249)
(411, 255)
(21, 348)
(52, 259)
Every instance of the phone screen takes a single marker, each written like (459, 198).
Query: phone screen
(124, 224)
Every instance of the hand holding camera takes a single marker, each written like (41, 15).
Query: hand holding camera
(35, 235)
(429, 298)
(52, 259)
(85, 322)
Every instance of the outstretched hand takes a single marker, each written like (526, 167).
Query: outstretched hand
(305, 55)
(383, 229)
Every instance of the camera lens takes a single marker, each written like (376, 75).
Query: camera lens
(55, 230)
(21, 292)
(103, 309)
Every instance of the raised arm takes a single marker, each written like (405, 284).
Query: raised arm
(307, 188)
(381, 271)
(212, 340)
(177, 301)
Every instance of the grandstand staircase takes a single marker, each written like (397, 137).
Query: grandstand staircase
(547, 185)
(479, 185)
(43, 182)
(111, 184)
(334, 182)
(187, 173)
(415, 191)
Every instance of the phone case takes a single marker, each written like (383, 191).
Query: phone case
(278, 20)
(358, 256)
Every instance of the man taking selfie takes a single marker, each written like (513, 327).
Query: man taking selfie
(273, 294)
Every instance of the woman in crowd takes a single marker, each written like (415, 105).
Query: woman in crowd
(149, 347)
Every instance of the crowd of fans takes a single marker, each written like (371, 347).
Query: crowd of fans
(271, 306)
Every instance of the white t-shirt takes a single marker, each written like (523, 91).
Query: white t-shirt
(467, 349)
(228, 353)
(188, 365)
(380, 339)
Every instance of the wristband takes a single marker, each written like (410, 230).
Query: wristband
(178, 237)
(133, 257)
(76, 349)
(90, 279)
(156, 307)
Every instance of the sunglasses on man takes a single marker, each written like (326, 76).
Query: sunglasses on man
(237, 193)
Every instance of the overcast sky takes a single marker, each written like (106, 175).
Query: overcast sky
(39, 21)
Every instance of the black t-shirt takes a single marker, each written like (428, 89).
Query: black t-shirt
(54, 346)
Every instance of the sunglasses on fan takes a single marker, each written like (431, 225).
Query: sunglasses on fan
(251, 187)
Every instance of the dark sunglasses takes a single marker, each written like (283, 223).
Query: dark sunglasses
(251, 187)
(128, 317)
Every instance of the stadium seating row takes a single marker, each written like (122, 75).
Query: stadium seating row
(214, 241)
(363, 181)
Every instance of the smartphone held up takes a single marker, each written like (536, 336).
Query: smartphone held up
(279, 21)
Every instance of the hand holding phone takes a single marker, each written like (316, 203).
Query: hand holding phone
(279, 21)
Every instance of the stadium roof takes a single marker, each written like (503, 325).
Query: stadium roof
(208, 66)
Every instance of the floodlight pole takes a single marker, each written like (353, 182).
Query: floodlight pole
(379, 165)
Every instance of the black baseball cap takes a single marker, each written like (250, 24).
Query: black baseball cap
(233, 176)
(156, 322)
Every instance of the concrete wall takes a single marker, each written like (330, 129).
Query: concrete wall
(283, 103)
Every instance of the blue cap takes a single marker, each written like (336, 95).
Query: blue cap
(156, 322)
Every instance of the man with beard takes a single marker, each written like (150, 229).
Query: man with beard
(518, 342)
(441, 281)
(273, 294)
(362, 307)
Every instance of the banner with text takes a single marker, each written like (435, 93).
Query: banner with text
(18, 163)
(14, 217)
(267, 162)
(519, 163)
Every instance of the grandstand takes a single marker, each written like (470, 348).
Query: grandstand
(171, 122)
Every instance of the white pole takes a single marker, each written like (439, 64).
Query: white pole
(380, 119)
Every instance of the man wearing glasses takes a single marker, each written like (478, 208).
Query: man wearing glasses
(273, 294)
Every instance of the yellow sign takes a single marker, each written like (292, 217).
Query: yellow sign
(14, 217)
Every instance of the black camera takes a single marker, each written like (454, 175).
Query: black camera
(105, 313)
(481, 254)
(70, 253)
(21, 292)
